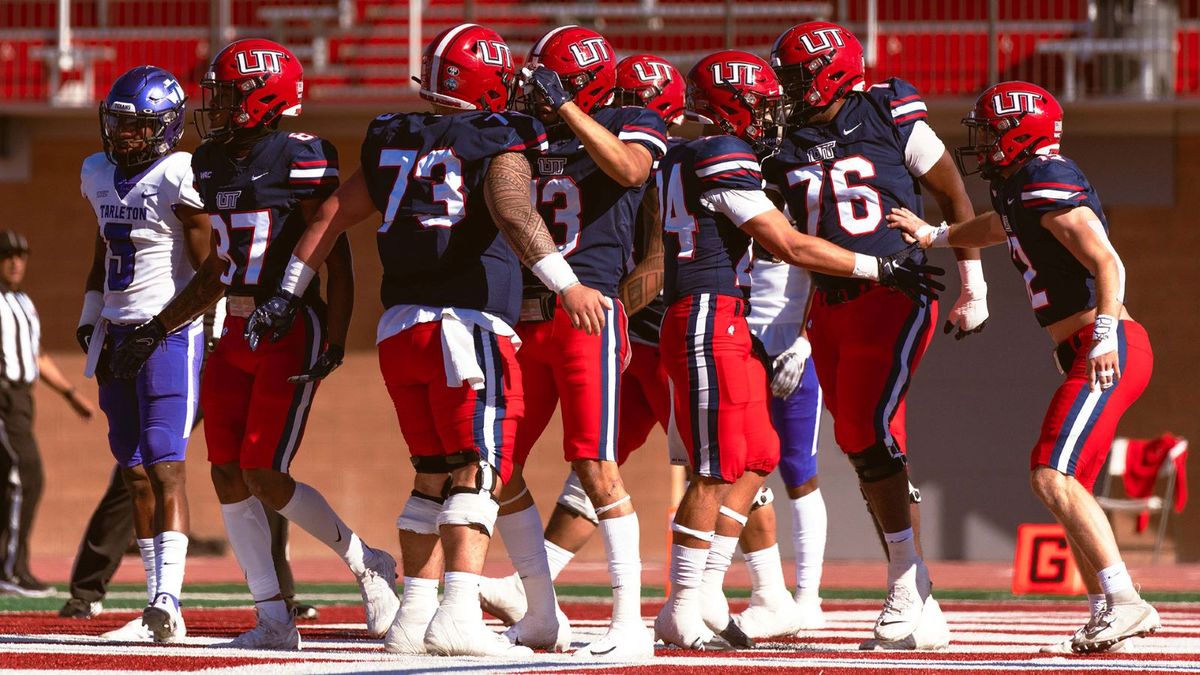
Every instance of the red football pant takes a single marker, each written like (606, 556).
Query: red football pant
(585, 370)
(252, 414)
(720, 387)
(1079, 427)
(866, 351)
(437, 419)
(645, 399)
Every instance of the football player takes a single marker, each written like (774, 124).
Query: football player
(259, 186)
(1051, 217)
(643, 80)
(851, 153)
(153, 234)
(590, 185)
(453, 188)
(711, 203)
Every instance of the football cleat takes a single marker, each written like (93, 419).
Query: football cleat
(770, 616)
(164, 620)
(377, 585)
(134, 631)
(302, 611)
(503, 598)
(405, 637)
(931, 633)
(78, 608)
(687, 630)
(714, 607)
(812, 617)
(903, 605)
(532, 631)
(1116, 624)
(622, 642)
(268, 634)
(450, 635)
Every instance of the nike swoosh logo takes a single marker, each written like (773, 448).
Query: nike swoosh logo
(890, 623)
(606, 651)
(144, 341)
(847, 132)
(259, 176)
(339, 531)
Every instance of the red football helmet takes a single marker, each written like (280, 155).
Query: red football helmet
(584, 61)
(818, 63)
(468, 67)
(1010, 123)
(249, 83)
(738, 92)
(651, 82)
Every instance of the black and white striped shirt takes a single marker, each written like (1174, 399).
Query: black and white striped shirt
(20, 334)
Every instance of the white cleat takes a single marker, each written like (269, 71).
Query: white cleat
(405, 637)
(770, 616)
(268, 634)
(377, 585)
(812, 617)
(1065, 646)
(932, 633)
(1116, 624)
(714, 607)
(622, 642)
(504, 598)
(902, 608)
(532, 631)
(134, 631)
(164, 620)
(452, 636)
(686, 630)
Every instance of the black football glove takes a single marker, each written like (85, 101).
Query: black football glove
(83, 335)
(547, 83)
(274, 317)
(898, 271)
(326, 363)
(136, 349)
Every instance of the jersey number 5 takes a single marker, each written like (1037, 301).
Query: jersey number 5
(121, 252)
(446, 189)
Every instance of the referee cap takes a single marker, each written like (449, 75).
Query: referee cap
(12, 243)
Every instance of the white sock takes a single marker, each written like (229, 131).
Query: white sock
(622, 544)
(150, 565)
(308, 509)
(523, 538)
(557, 557)
(462, 595)
(720, 557)
(766, 572)
(1096, 603)
(809, 525)
(902, 554)
(687, 573)
(1117, 583)
(250, 537)
(171, 549)
(420, 601)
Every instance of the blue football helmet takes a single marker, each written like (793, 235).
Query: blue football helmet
(142, 118)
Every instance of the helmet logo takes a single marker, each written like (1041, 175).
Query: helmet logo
(589, 51)
(822, 39)
(1017, 101)
(259, 61)
(735, 72)
(495, 53)
(657, 71)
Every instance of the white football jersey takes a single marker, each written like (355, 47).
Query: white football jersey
(778, 296)
(147, 261)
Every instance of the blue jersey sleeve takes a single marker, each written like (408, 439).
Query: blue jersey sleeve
(526, 134)
(313, 169)
(644, 127)
(903, 102)
(1052, 183)
(727, 162)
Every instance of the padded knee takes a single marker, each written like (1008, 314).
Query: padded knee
(878, 462)
(574, 499)
(472, 508)
(420, 514)
(445, 463)
(765, 496)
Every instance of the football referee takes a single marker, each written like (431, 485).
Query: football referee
(21, 364)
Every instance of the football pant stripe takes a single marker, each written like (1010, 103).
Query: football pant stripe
(1085, 412)
(913, 332)
(293, 430)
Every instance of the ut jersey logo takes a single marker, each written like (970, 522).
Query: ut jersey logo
(552, 166)
(228, 200)
(821, 39)
(589, 51)
(1009, 102)
(259, 61)
(735, 72)
(495, 53)
(652, 71)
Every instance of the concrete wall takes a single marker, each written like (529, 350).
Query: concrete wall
(974, 409)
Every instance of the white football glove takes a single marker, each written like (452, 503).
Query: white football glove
(970, 311)
(788, 368)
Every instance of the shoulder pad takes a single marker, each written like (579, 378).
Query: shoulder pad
(901, 98)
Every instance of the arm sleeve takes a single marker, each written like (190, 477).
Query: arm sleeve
(313, 171)
(905, 104)
(646, 128)
(1053, 185)
(923, 149)
(727, 162)
(739, 206)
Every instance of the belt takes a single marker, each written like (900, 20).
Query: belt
(538, 308)
(845, 292)
(1066, 351)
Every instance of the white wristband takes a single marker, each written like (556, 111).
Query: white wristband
(1104, 336)
(970, 273)
(296, 277)
(93, 304)
(865, 267)
(941, 236)
(555, 272)
(802, 348)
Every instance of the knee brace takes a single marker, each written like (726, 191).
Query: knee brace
(878, 462)
(476, 505)
(765, 496)
(914, 495)
(420, 514)
(574, 499)
(445, 463)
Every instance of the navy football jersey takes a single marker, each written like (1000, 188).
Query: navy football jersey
(253, 203)
(1057, 283)
(704, 251)
(645, 324)
(590, 215)
(438, 243)
(840, 179)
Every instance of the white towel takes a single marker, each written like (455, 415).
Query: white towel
(458, 352)
(95, 346)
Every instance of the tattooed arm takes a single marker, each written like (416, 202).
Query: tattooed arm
(507, 191)
(201, 292)
(646, 280)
